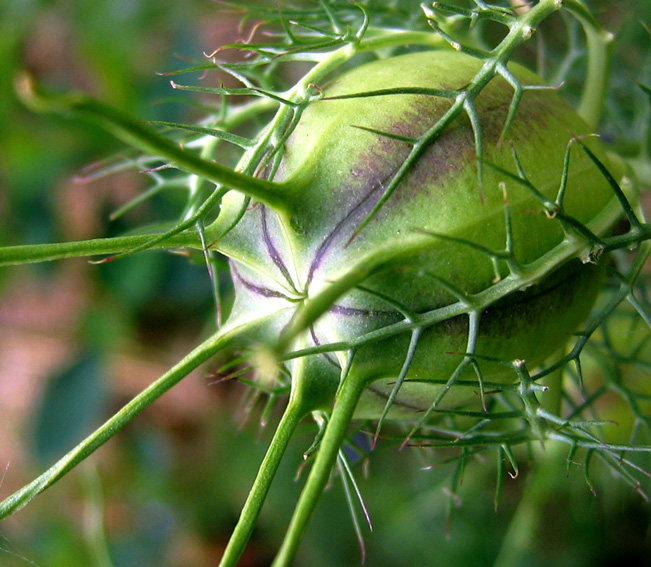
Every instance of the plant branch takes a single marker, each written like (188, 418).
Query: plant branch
(31, 253)
(258, 493)
(138, 136)
(599, 43)
(121, 418)
(336, 430)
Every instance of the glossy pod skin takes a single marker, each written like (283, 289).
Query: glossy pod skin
(337, 170)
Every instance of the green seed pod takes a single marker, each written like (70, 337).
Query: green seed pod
(412, 236)
(414, 255)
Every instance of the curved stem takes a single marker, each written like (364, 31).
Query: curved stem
(137, 135)
(600, 44)
(258, 493)
(349, 394)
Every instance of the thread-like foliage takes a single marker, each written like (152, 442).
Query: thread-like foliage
(553, 401)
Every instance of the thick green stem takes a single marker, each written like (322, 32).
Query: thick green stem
(345, 405)
(312, 388)
(600, 44)
(266, 473)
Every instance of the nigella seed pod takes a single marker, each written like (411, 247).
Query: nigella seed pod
(415, 238)
(430, 244)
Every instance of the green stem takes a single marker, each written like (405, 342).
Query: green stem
(266, 473)
(137, 135)
(519, 544)
(600, 44)
(349, 394)
(102, 434)
(31, 253)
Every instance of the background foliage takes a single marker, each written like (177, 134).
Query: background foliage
(167, 490)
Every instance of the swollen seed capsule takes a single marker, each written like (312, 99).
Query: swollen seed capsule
(436, 241)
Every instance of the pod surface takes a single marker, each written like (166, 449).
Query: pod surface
(340, 159)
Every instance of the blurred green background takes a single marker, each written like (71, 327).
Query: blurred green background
(77, 341)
